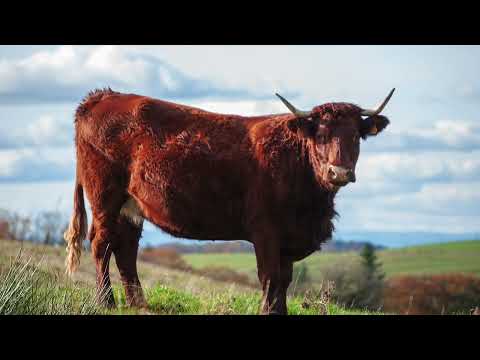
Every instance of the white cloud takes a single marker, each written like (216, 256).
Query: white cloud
(443, 135)
(457, 133)
(27, 165)
(69, 72)
(49, 131)
(448, 208)
(423, 166)
(46, 131)
(448, 199)
(113, 63)
(245, 108)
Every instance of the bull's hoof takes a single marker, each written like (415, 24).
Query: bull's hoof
(139, 304)
(110, 304)
(106, 300)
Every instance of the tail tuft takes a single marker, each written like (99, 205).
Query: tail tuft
(76, 232)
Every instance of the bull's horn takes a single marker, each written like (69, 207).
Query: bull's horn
(367, 112)
(293, 109)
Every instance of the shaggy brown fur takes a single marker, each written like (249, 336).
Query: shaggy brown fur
(202, 175)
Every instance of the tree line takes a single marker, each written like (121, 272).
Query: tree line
(45, 227)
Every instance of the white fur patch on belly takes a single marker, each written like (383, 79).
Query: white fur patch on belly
(132, 212)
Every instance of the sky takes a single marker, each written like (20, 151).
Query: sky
(422, 174)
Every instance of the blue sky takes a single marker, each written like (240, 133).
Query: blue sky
(421, 174)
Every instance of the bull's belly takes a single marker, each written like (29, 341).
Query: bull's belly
(193, 211)
(192, 187)
(200, 220)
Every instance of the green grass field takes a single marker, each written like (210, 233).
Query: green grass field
(453, 257)
(36, 284)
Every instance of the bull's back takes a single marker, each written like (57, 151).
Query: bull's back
(189, 170)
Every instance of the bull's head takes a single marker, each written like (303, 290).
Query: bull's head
(334, 130)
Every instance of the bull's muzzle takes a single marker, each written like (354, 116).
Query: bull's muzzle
(340, 176)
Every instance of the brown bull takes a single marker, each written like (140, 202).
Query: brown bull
(269, 179)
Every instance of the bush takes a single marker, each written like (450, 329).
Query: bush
(220, 273)
(319, 300)
(354, 286)
(434, 294)
(168, 257)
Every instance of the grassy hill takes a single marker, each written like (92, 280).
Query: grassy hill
(454, 257)
(40, 287)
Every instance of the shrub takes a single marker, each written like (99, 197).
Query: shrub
(319, 299)
(168, 257)
(433, 294)
(220, 273)
(354, 286)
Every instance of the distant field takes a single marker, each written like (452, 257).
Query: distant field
(458, 257)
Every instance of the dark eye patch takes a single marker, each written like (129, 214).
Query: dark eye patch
(323, 133)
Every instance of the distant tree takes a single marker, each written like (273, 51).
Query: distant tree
(49, 227)
(358, 284)
(19, 227)
(370, 262)
(46, 227)
(370, 294)
(3, 229)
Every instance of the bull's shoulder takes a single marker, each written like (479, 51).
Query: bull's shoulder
(262, 128)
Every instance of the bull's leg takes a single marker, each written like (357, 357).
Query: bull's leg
(100, 236)
(275, 276)
(126, 258)
(286, 271)
(104, 185)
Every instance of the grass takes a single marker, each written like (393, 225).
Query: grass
(164, 300)
(34, 283)
(458, 257)
(27, 290)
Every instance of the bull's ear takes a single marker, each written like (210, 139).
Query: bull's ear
(303, 126)
(373, 125)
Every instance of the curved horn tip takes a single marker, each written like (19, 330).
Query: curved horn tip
(390, 93)
(368, 112)
(293, 109)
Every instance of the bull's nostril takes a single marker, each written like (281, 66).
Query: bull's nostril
(351, 176)
(331, 174)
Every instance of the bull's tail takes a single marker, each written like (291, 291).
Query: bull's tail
(77, 230)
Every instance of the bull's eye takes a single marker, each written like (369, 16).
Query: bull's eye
(322, 134)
